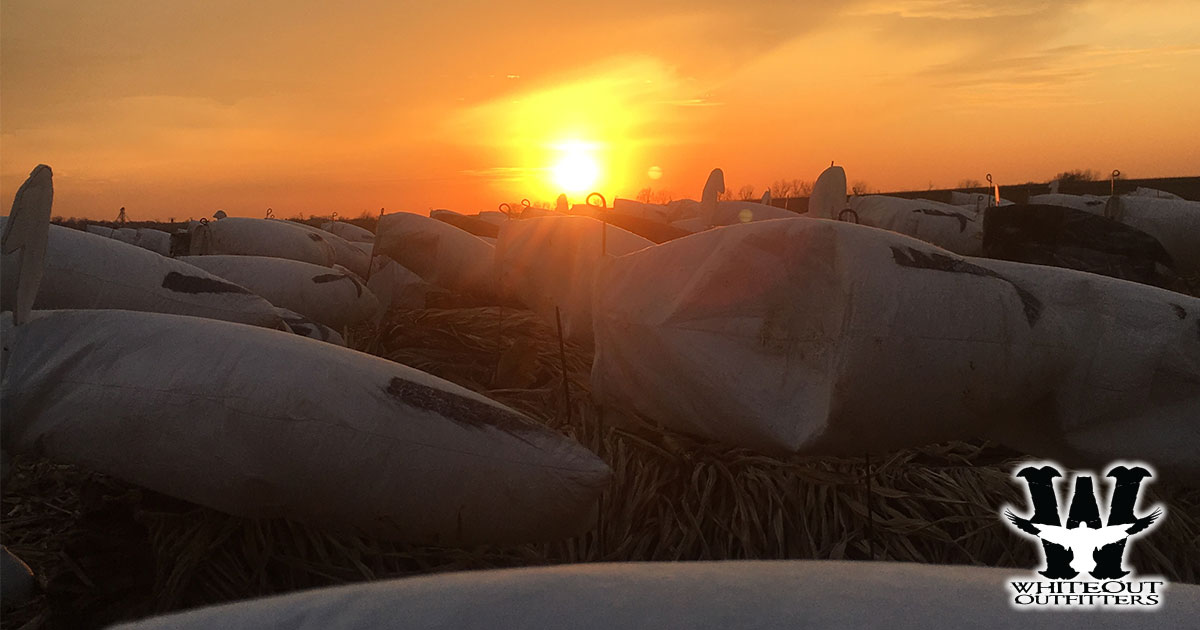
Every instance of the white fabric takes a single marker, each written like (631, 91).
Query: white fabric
(471, 224)
(397, 287)
(652, 211)
(1142, 191)
(550, 262)
(125, 235)
(325, 295)
(86, 271)
(1090, 203)
(345, 253)
(263, 423)
(822, 336)
(1174, 222)
(978, 201)
(734, 212)
(154, 240)
(947, 226)
(348, 231)
(767, 595)
(681, 209)
(298, 324)
(828, 196)
(714, 187)
(343, 270)
(677, 210)
(25, 241)
(693, 225)
(241, 236)
(493, 217)
(438, 252)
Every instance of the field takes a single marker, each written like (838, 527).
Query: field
(108, 551)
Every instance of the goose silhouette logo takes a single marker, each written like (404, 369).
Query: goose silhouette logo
(1083, 552)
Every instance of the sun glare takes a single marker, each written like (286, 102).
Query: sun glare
(576, 170)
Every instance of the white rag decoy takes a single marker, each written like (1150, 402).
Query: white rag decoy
(27, 230)
(828, 197)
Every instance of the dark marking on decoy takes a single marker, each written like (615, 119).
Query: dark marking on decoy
(463, 411)
(334, 277)
(962, 218)
(917, 259)
(182, 283)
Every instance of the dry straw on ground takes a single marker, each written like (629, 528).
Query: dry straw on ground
(106, 550)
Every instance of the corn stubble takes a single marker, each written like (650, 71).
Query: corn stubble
(106, 551)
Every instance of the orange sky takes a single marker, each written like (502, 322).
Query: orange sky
(176, 109)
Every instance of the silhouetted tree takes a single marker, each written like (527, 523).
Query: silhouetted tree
(790, 188)
(648, 195)
(858, 188)
(781, 188)
(1077, 175)
(746, 193)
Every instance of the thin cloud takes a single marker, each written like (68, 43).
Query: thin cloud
(504, 174)
(692, 102)
(952, 9)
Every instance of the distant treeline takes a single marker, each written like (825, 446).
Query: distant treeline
(364, 221)
(1186, 187)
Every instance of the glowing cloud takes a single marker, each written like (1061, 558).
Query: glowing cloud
(612, 113)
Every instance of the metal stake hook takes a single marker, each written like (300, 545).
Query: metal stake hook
(603, 219)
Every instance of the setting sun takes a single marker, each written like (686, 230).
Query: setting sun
(576, 170)
(308, 124)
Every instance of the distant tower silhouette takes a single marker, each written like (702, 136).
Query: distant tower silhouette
(121, 215)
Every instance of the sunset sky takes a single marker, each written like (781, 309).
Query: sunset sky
(176, 109)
